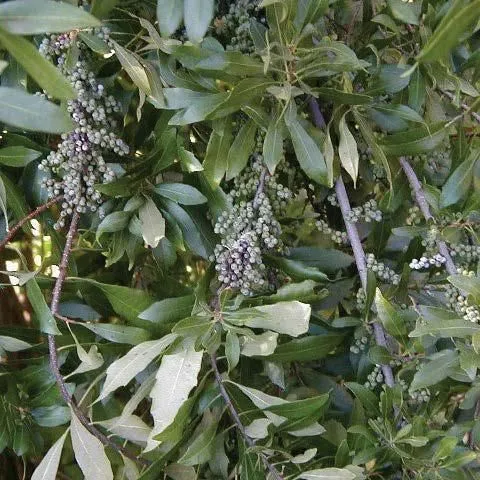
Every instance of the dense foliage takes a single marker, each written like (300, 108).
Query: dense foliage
(241, 239)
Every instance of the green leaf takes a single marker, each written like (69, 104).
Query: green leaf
(398, 111)
(348, 151)
(215, 162)
(121, 371)
(297, 270)
(241, 149)
(470, 285)
(195, 236)
(412, 142)
(390, 318)
(197, 15)
(325, 259)
(299, 409)
(405, 12)
(169, 310)
(174, 380)
(126, 302)
(232, 350)
(261, 345)
(273, 145)
(153, 223)
(309, 11)
(308, 153)
(41, 309)
(12, 344)
(290, 318)
(459, 182)
(193, 326)
(169, 16)
(306, 349)
(379, 355)
(327, 474)
(342, 97)
(367, 398)
(417, 91)
(390, 79)
(17, 156)
(133, 67)
(232, 63)
(40, 69)
(440, 366)
(201, 448)
(94, 43)
(189, 162)
(31, 112)
(48, 467)
(102, 8)
(181, 193)
(113, 222)
(118, 333)
(29, 17)
(450, 30)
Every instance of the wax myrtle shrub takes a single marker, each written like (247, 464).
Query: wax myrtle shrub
(244, 239)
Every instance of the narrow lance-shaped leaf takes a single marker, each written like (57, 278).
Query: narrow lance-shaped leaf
(31, 112)
(89, 453)
(273, 145)
(17, 156)
(197, 15)
(41, 309)
(450, 30)
(29, 17)
(153, 223)
(3, 202)
(241, 149)
(308, 153)
(169, 16)
(120, 372)
(48, 467)
(348, 151)
(175, 378)
(40, 69)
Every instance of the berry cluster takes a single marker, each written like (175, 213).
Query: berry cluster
(414, 216)
(381, 270)
(467, 253)
(418, 397)
(367, 212)
(235, 25)
(458, 302)
(437, 164)
(360, 345)
(436, 261)
(79, 161)
(337, 236)
(250, 229)
(374, 378)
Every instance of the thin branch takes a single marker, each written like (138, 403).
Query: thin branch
(52, 347)
(422, 203)
(35, 213)
(464, 106)
(359, 255)
(238, 422)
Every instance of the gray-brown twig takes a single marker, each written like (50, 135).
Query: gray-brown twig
(237, 420)
(358, 252)
(35, 213)
(422, 203)
(52, 347)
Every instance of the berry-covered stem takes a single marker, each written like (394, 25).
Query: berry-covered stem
(52, 347)
(275, 474)
(359, 255)
(422, 203)
(33, 214)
